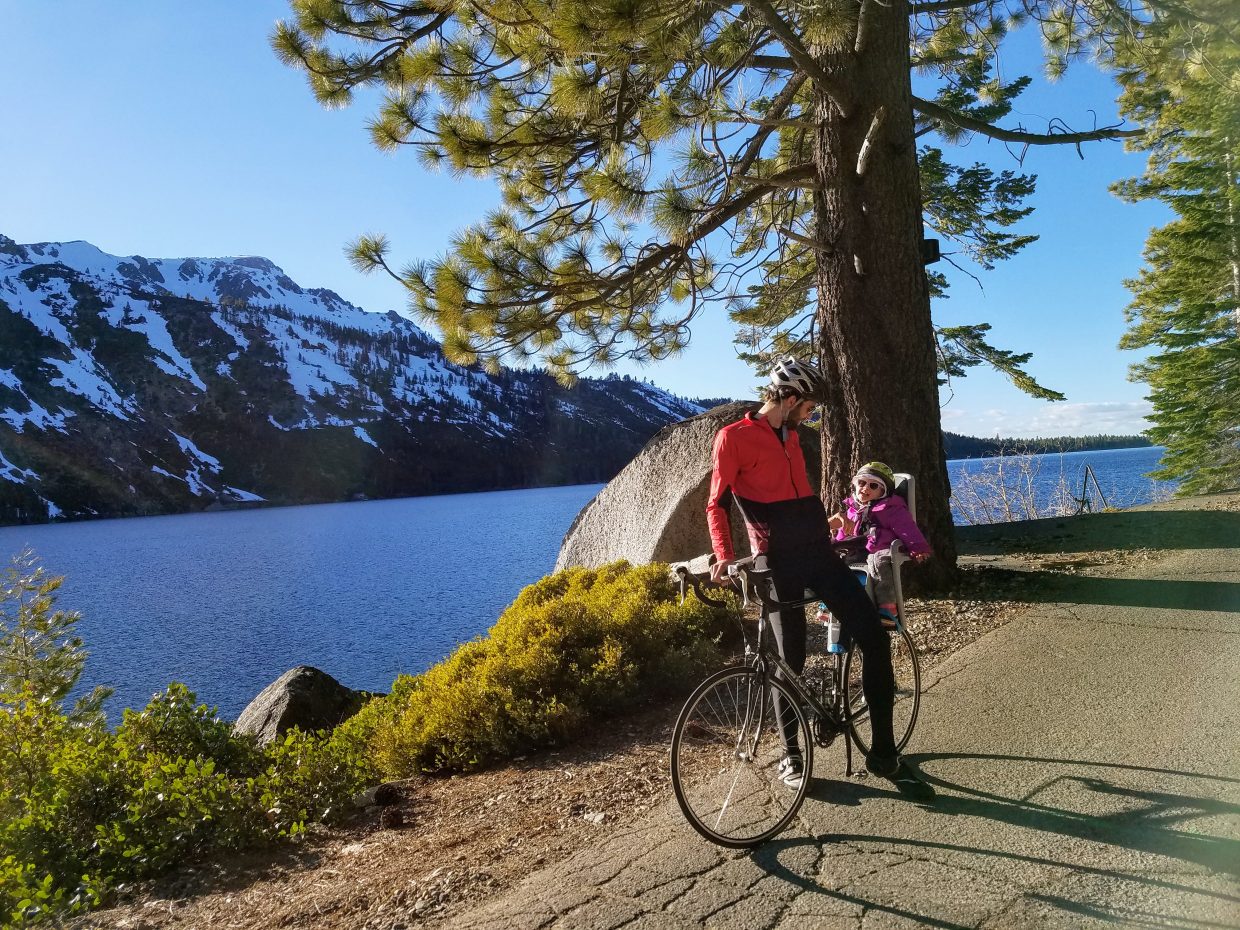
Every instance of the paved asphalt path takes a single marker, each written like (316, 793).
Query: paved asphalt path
(1087, 760)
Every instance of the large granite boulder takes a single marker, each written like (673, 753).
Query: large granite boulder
(302, 697)
(655, 509)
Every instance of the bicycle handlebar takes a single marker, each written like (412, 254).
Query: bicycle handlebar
(742, 576)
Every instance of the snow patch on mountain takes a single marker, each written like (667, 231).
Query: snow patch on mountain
(139, 316)
(10, 472)
(173, 384)
(82, 376)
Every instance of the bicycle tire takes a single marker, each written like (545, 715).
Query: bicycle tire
(734, 797)
(907, 670)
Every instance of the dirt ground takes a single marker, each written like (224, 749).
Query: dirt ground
(447, 844)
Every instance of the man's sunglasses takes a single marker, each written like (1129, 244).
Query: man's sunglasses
(861, 484)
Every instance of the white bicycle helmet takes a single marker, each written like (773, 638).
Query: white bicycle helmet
(800, 376)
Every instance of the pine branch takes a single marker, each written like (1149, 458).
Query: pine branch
(773, 62)
(941, 113)
(779, 105)
(800, 54)
(943, 6)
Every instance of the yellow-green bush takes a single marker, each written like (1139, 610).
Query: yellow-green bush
(573, 647)
(84, 808)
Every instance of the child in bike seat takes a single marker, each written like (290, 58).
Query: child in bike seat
(869, 521)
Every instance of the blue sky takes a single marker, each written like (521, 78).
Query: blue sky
(171, 130)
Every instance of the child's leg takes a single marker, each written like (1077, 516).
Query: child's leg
(880, 569)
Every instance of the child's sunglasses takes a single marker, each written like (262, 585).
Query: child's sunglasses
(862, 484)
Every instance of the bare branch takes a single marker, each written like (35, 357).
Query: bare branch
(797, 237)
(782, 101)
(773, 62)
(943, 6)
(871, 134)
(960, 120)
(863, 16)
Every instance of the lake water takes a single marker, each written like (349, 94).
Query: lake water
(226, 602)
(1121, 478)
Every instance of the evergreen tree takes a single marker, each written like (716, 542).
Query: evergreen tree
(1186, 302)
(635, 139)
(41, 656)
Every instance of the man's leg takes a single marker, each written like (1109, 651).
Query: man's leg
(788, 628)
(836, 587)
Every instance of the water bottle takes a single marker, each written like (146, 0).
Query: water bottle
(833, 628)
(833, 636)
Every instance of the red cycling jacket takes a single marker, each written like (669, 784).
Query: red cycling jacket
(766, 477)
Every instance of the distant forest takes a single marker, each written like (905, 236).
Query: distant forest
(970, 447)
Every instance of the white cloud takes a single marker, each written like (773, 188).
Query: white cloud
(1087, 419)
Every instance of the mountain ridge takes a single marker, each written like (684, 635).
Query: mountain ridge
(131, 385)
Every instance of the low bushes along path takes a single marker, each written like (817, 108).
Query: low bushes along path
(1079, 720)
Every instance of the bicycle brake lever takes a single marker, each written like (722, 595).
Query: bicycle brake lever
(738, 581)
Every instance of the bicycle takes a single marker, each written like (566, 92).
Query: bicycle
(728, 742)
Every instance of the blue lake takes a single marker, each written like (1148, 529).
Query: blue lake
(226, 602)
(1121, 476)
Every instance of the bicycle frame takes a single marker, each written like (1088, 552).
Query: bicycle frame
(836, 715)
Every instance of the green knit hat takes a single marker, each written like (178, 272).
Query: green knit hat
(879, 471)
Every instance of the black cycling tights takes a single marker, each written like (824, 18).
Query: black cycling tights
(821, 571)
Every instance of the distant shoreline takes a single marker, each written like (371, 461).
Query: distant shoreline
(959, 447)
(221, 507)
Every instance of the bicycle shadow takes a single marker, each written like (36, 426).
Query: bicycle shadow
(1144, 823)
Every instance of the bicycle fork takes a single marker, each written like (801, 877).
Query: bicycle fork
(750, 731)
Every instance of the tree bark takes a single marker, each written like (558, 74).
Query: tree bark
(876, 340)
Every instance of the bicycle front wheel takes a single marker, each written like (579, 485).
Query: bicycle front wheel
(907, 698)
(726, 753)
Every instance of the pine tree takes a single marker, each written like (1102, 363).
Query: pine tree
(1185, 89)
(657, 159)
(41, 656)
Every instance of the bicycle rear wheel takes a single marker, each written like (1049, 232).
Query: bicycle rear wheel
(908, 692)
(726, 750)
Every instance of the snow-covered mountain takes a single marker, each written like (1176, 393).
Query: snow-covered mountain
(131, 386)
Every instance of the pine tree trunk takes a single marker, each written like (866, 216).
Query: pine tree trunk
(876, 341)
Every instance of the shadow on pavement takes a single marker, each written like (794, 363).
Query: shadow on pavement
(1061, 587)
(1124, 529)
(1144, 823)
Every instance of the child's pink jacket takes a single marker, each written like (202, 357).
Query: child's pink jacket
(890, 521)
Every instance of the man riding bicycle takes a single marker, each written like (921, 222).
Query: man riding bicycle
(758, 464)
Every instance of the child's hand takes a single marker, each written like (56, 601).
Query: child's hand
(835, 521)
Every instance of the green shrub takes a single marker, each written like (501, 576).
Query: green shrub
(575, 646)
(175, 725)
(83, 808)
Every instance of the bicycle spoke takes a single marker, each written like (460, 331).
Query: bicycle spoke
(725, 754)
(906, 700)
